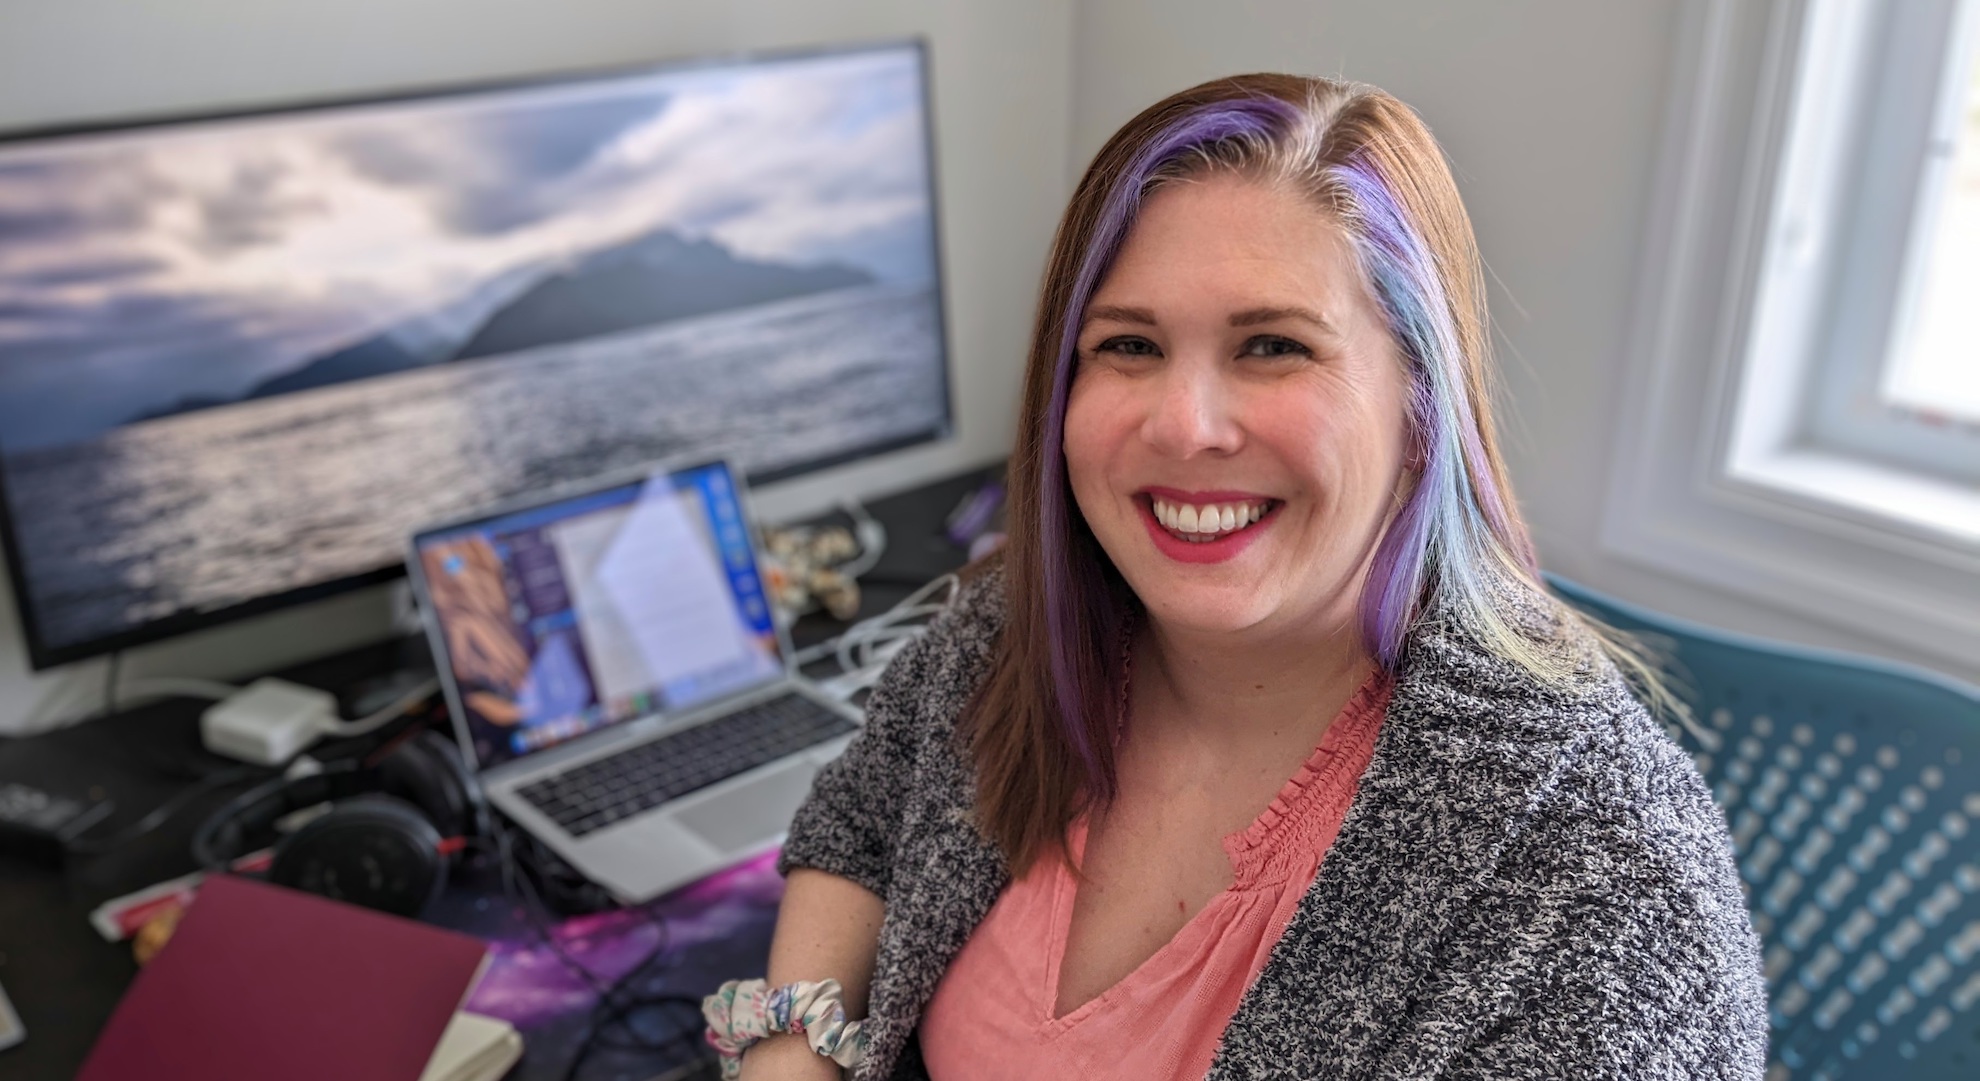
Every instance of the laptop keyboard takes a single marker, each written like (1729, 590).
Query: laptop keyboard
(608, 790)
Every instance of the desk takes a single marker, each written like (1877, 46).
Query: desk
(64, 979)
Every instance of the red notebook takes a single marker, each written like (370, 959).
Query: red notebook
(263, 982)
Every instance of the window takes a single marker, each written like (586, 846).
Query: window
(1805, 422)
(1905, 387)
(1935, 374)
(1861, 321)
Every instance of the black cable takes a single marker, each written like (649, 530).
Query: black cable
(625, 1011)
(521, 892)
(610, 1010)
(612, 1007)
(159, 815)
(597, 1037)
(612, 1024)
(513, 890)
(618, 1006)
(609, 1018)
(206, 849)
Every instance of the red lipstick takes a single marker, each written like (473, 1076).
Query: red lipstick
(1223, 548)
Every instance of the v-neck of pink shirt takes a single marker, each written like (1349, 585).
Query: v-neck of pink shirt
(991, 1016)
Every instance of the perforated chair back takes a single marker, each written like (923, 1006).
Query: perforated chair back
(1852, 787)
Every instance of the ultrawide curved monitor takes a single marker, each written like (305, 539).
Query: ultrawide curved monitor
(242, 357)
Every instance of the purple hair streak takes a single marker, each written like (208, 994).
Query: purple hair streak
(1454, 522)
(1253, 118)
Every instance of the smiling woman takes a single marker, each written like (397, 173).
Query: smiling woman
(1260, 751)
(1206, 388)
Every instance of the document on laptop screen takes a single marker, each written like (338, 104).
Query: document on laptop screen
(651, 594)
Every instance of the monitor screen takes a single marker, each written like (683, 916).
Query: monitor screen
(242, 357)
(570, 616)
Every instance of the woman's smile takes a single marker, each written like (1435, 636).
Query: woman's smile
(1203, 527)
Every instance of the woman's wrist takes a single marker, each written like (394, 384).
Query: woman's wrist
(744, 1013)
(786, 1057)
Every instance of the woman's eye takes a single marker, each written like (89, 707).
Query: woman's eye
(1128, 345)
(1271, 345)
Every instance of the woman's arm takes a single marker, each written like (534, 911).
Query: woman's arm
(827, 928)
(1634, 957)
(837, 862)
(838, 859)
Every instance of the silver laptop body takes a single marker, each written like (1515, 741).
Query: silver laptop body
(626, 614)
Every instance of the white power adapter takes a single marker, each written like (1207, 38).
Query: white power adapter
(268, 722)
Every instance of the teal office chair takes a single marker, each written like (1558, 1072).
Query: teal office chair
(1852, 787)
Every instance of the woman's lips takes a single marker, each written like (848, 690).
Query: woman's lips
(1206, 527)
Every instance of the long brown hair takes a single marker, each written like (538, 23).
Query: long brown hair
(1041, 729)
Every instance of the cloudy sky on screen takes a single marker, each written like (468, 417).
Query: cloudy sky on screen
(141, 268)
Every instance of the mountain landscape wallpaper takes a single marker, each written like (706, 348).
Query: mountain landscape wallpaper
(244, 357)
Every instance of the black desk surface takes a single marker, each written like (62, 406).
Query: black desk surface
(64, 979)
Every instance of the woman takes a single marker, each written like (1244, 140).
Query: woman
(1260, 751)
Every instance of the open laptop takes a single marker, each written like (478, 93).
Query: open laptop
(618, 681)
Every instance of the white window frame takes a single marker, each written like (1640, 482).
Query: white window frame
(1753, 297)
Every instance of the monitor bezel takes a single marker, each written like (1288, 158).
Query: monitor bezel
(43, 655)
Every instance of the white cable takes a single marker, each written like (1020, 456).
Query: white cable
(384, 715)
(948, 582)
(872, 538)
(844, 687)
(865, 648)
(854, 649)
(218, 691)
(910, 607)
(816, 651)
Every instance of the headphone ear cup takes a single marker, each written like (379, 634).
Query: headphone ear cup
(377, 851)
(427, 772)
(447, 755)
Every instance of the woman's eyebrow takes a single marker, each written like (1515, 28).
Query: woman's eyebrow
(1256, 316)
(1117, 314)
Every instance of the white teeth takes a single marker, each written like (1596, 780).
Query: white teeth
(1207, 521)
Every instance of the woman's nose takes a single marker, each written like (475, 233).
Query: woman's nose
(1192, 413)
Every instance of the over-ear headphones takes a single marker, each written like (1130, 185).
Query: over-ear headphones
(387, 838)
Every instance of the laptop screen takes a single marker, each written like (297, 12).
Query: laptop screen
(567, 617)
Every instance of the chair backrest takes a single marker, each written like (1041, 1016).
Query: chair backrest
(1852, 788)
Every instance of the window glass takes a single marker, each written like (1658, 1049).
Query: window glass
(1939, 375)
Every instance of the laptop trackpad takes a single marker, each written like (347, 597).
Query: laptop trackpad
(750, 814)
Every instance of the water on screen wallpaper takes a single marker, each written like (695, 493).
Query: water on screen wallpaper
(248, 356)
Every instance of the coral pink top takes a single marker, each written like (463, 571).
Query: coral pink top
(991, 1016)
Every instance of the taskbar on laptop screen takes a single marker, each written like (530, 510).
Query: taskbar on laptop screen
(570, 617)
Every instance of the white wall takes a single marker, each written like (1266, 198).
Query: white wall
(1002, 107)
(1551, 111)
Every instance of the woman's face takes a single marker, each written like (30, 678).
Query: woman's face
(1236, 434)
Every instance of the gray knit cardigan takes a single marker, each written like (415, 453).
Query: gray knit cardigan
(1530, 882)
